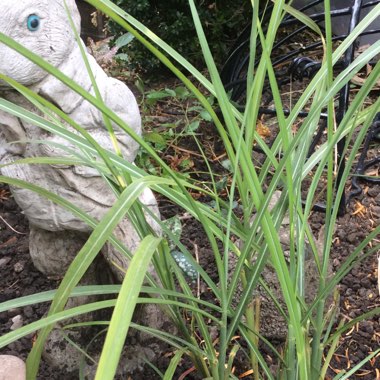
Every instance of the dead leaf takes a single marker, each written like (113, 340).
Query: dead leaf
(359, 209)
(359, 81)
(262, 129)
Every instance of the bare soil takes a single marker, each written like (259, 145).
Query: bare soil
(359, 291)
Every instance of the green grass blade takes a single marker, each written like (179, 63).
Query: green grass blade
(349, 373)
(51, 320)
(124, 308)
(169, 374)
(82, 262)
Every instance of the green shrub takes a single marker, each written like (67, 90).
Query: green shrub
(171, 20)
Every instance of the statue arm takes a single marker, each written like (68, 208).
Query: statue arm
(115, 94)
(119, 98)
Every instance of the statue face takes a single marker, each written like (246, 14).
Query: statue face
(43, 27)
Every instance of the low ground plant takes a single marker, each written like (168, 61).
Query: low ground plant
(169, 116)
(231, 232)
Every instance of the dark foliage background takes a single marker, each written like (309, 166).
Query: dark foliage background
(171, 20)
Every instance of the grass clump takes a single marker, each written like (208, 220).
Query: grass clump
(231, 232)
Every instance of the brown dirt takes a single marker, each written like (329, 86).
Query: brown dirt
(358, 290)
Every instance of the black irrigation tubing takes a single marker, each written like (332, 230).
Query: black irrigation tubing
(300, 66)
(363, 165)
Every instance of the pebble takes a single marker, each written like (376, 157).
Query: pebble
(352, 314)
(12, 368)
(4, 261)
(366, 283)
(376, 210)
(373, 191)
(16, 346)
(18, 267)
(351, 237)
(367, 326)
(17, 323)
(361, 355)
(28, 312)
(336, 263)
(354, 359)
(13, 312)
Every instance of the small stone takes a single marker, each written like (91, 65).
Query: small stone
(366, 282)
(18, 267)
(376, 210)
(370, 295)
(28, 312)
(213, 332)
(373, 192)
(352, 314)
(12, 368)
(361, 355)
(16, 346)
(367, 326)
(17, 323)
(13, 312)
(351, 237)
(4, 261)
(336, 263)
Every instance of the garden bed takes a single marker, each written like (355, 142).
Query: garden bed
(358, 290)
(174, 123)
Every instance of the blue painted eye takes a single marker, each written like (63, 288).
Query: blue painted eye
(33, 23)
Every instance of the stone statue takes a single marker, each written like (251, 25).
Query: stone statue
(56, 235)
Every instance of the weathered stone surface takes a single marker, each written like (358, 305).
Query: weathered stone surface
(57, 235)
(141, 346)
(53, 251)
(60, 354)
(17, 322)
(81, 185)
(12, 368)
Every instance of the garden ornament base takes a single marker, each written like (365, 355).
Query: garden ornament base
(56, 235)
